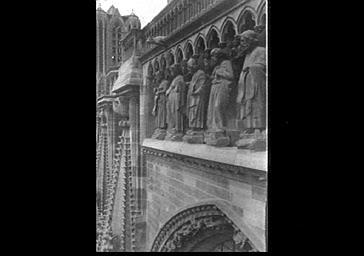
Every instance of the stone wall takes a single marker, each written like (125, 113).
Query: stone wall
(173, 185)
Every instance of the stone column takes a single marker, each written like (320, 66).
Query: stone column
(134, 140)
(137, 176)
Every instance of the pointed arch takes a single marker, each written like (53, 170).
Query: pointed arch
(156, 65)
(170, 58)
(188, 49)
(262, 14)
(213, 37)
(192, 215)
(179, 54)
(228, 29)
(200, 43)
(247, 20)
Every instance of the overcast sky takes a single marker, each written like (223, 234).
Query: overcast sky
(146, 10)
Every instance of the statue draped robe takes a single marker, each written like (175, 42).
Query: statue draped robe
(176, 104)
(252, 89)
(219, 95)
(197, 100)
(160, 104)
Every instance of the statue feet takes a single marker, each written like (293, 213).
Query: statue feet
(159, 134)
(194, 137)
(256, 141)
(217, 139)
(173, 135)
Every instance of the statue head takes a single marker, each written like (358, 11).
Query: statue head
(207, 53)
(214, 58)
(192, 66)
(206, 61)
(236, 41)
(218, 55)
(259, 28)
(248, 40)
(175, 70)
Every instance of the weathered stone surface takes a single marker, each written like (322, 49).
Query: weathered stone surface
(218, 192)
(255, 142)
(228, 155)
(194, 139)
(189, 185)
(217, 139)
(233, 135)
(259, 193)
(159, 134)
(173, 136)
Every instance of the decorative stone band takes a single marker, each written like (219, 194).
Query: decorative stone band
(185, 225)
(236, 172)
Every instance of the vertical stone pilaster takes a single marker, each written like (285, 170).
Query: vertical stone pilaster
(147, 124)
(134, 142)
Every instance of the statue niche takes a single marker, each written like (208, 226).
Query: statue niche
(197, 99)
(159, 109)
(222, 78)
(252, 93)
(176, 105)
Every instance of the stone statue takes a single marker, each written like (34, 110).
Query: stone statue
(159, 109)
(260, 29)
(222, 77)
(176, 105)
(252, 93)
(206, 61)
(237, 56)
(196, 102)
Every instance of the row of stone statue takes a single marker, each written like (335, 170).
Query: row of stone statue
(191, 98)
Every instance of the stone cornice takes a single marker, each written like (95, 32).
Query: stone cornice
(205, 161)
(224, 155)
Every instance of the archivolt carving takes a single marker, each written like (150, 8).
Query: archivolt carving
(188, 223)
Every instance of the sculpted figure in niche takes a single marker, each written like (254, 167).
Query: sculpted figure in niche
(252, 93)
(237, 56)
(196, 102)
(260, 29)
(176, 105)
(222, 77)
(208, 68)
(159, 109)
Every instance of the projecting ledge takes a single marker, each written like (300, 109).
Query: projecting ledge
(227, 155)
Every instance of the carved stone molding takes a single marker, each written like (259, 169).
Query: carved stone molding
(182, 232)
(239, 172)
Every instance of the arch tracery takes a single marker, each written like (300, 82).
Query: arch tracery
(228, 30)
(247, 20)
(200, 44)
(213, 37)
(201, 228)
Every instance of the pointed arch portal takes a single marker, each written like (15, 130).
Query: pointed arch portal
(201, 229)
